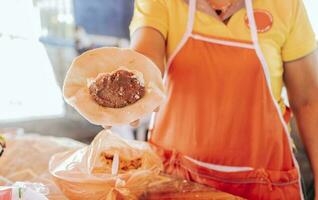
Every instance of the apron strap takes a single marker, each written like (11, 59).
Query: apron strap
(254, 35)
(260, 55)
(191, 16)
(187, 34)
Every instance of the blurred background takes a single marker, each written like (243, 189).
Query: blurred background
(39, 39)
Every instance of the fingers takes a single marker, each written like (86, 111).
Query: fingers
(157, 109)
(135, 124)
(107, 127)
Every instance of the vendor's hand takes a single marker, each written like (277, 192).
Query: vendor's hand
(134, 124)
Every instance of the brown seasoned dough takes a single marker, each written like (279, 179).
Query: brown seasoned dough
(117, 90)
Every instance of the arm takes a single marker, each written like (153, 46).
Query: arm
(301, 79)
(151, 43)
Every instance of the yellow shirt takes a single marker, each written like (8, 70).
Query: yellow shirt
(290, 37)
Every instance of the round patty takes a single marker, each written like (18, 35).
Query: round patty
(116, 90)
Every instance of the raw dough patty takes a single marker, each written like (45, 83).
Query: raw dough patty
(116, 90)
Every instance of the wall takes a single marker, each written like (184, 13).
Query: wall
(104, 17)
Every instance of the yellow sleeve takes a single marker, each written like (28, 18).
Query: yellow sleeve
(150, 13)
(301, 38)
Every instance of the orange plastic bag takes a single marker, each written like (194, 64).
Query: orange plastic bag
(110, 168)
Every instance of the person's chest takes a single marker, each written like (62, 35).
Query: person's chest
(272, 35)
(272, 27)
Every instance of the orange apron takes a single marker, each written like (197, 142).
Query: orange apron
(221, 125)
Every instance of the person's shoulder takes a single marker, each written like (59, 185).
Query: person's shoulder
(171, 4)
(163, 2)
(282, 9)
(167, 4)
(281, 5)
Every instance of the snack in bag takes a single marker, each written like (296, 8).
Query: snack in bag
(113, 86)
(109, 168)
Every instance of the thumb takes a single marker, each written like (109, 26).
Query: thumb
(107, 127)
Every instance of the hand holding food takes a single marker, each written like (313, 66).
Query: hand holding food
(112, 86)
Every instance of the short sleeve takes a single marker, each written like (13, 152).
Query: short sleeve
(300, 40)
(150, 13)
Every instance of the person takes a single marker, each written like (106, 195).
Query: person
(225, 62)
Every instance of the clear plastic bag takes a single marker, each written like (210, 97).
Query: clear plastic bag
(110, 168)
(24, 191)
(26, 159)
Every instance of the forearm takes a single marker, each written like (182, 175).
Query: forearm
(307, 120)
(150, 43)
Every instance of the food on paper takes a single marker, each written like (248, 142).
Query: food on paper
(113, 86)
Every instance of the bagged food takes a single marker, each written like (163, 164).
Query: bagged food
(109, 168)
(113, 86)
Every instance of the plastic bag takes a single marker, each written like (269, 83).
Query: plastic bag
(27, 156)
(24, 191)
(110, 168)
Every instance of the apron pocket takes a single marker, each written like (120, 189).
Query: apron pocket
(244, 182)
